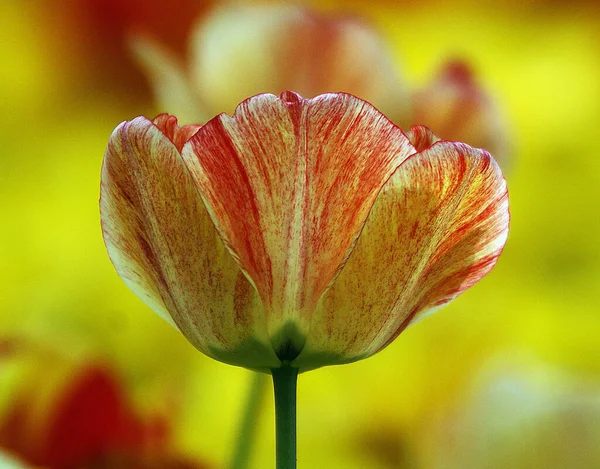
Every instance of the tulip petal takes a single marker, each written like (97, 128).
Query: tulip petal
(421, 137)
(245, 50)
(164, 246)
(436, 228)
(288, 183)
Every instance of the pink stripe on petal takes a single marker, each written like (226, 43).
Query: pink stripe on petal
(164, 245)
(436, 228)
(289, 183)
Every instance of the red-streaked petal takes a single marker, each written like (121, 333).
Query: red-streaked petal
(456, 108)
(166, 249)
(289, 183)
(177, 134)
(437, 227)
(421, 137)
(241, 51)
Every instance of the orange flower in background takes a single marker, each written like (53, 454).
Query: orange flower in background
(307, 232)
(240, 51)
(458, 109)
(77, 416)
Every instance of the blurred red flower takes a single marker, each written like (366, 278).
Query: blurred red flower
(79, 416)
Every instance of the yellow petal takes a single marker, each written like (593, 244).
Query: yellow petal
(165, 248)
(245, 50)
(437, 227)
(289, 183)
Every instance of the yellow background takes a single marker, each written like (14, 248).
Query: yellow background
(532, 323)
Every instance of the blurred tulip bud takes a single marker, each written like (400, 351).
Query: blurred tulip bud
(241, 51)
(308, 232)
(456, 108)
(521, 416)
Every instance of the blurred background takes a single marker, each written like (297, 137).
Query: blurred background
(508, 375)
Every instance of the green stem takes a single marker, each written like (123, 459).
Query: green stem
(247, 431)
(284, 384)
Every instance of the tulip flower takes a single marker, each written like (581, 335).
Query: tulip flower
(297, 233)
(60, 414)
(308, 232)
